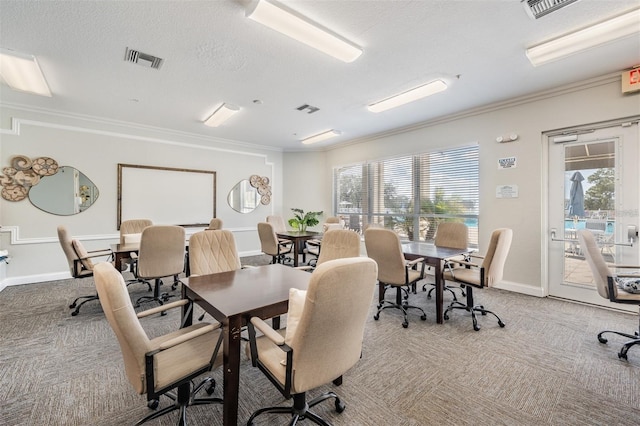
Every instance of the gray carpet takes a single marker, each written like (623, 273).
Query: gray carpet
(545, 367)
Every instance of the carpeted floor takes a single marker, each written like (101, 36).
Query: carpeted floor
(545, 367)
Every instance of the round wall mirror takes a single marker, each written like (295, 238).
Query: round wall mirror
(65, 193)
(243, 197)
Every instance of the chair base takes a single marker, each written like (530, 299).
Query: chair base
(77, 305)
(185, 398)
(403, 306)
(157, 296)
(622, 354)
(447, 288)
(472, 308)
(301, 409)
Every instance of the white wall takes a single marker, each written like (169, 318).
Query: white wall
(95, 148)
(525, 272)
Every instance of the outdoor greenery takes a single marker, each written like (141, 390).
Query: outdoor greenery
(302, 220)
(600, 196)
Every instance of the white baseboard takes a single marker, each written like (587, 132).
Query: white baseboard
(521, 288)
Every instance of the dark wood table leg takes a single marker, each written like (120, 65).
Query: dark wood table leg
(231, 384)
(439, 293)
(295, 253)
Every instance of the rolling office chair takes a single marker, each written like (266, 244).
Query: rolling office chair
(608, 288)
(130, 233)
(336, 244)
(453, 235)
(272, 246)
(215, 224)
(161, 254)
(312, 351)
(158, 366)
(80, 263)
(394, 271)
(479, 275)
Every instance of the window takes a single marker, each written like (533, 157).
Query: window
(443, 184)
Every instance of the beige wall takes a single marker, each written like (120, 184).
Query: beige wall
(525, 272)
(95, 148)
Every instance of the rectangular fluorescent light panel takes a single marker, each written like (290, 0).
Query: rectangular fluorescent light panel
(595, 35)
(420, 92)
(321, 136)
(222, 114)
(22, 72)
(300, 28)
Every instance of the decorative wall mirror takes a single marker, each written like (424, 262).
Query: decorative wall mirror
(243, 197)
(65, 193)
(246, 195)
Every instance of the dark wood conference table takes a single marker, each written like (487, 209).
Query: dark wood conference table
(298, 239)
(232, 298)
(433, 256)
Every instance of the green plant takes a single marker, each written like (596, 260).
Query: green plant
(301, 220)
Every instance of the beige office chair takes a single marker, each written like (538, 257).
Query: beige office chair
(273, 247)
(80, 263)
(336, 244)
(130, 233)
(161, 254)
(215, 224)
(277, 222)
(159, 365)
(606, 283)
(453, 235)
(485, 274)
(383, 246)
(313, 245)
(312, 351)
(213, 251)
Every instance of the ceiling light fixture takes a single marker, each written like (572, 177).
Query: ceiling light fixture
(222, 114)
(595, 35)
(409, 96)
(298, 27)
(321, 136)
(22, 72)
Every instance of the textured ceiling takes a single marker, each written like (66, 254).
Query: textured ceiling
(213, 54)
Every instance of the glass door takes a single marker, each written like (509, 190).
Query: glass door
(594, 184)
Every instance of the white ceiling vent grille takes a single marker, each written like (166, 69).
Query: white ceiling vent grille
(539, 8)
(143, 59)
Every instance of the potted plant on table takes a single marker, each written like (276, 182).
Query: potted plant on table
(301, 220)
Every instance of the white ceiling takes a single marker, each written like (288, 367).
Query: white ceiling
(212, 54)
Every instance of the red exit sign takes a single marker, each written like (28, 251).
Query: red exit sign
(631, 80)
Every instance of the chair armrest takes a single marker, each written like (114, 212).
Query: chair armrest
(101, 252)
(269, 332)
(161, 308)
(624, 266)
(465, 263)
(247, 267)
(188, 336)
(304, 268)
(410, 263)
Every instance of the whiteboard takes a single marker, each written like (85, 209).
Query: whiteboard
(165, 195)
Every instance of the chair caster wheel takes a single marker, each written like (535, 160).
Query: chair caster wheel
(71, 306)
(476, 328)
(340, 406)
(423, 317)
(153, 404)
(445, 316)
(622, 356)
(74, 313)
(501, 324)
(405, 324)
(163, 313)
(602, 339)
(210, 387)
(376, 317)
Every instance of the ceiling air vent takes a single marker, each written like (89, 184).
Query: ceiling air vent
(539, 8)
(143, 59)
(311, 109)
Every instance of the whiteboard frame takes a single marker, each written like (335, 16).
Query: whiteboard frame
(186, 172)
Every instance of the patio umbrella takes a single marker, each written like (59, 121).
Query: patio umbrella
(576, 195)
